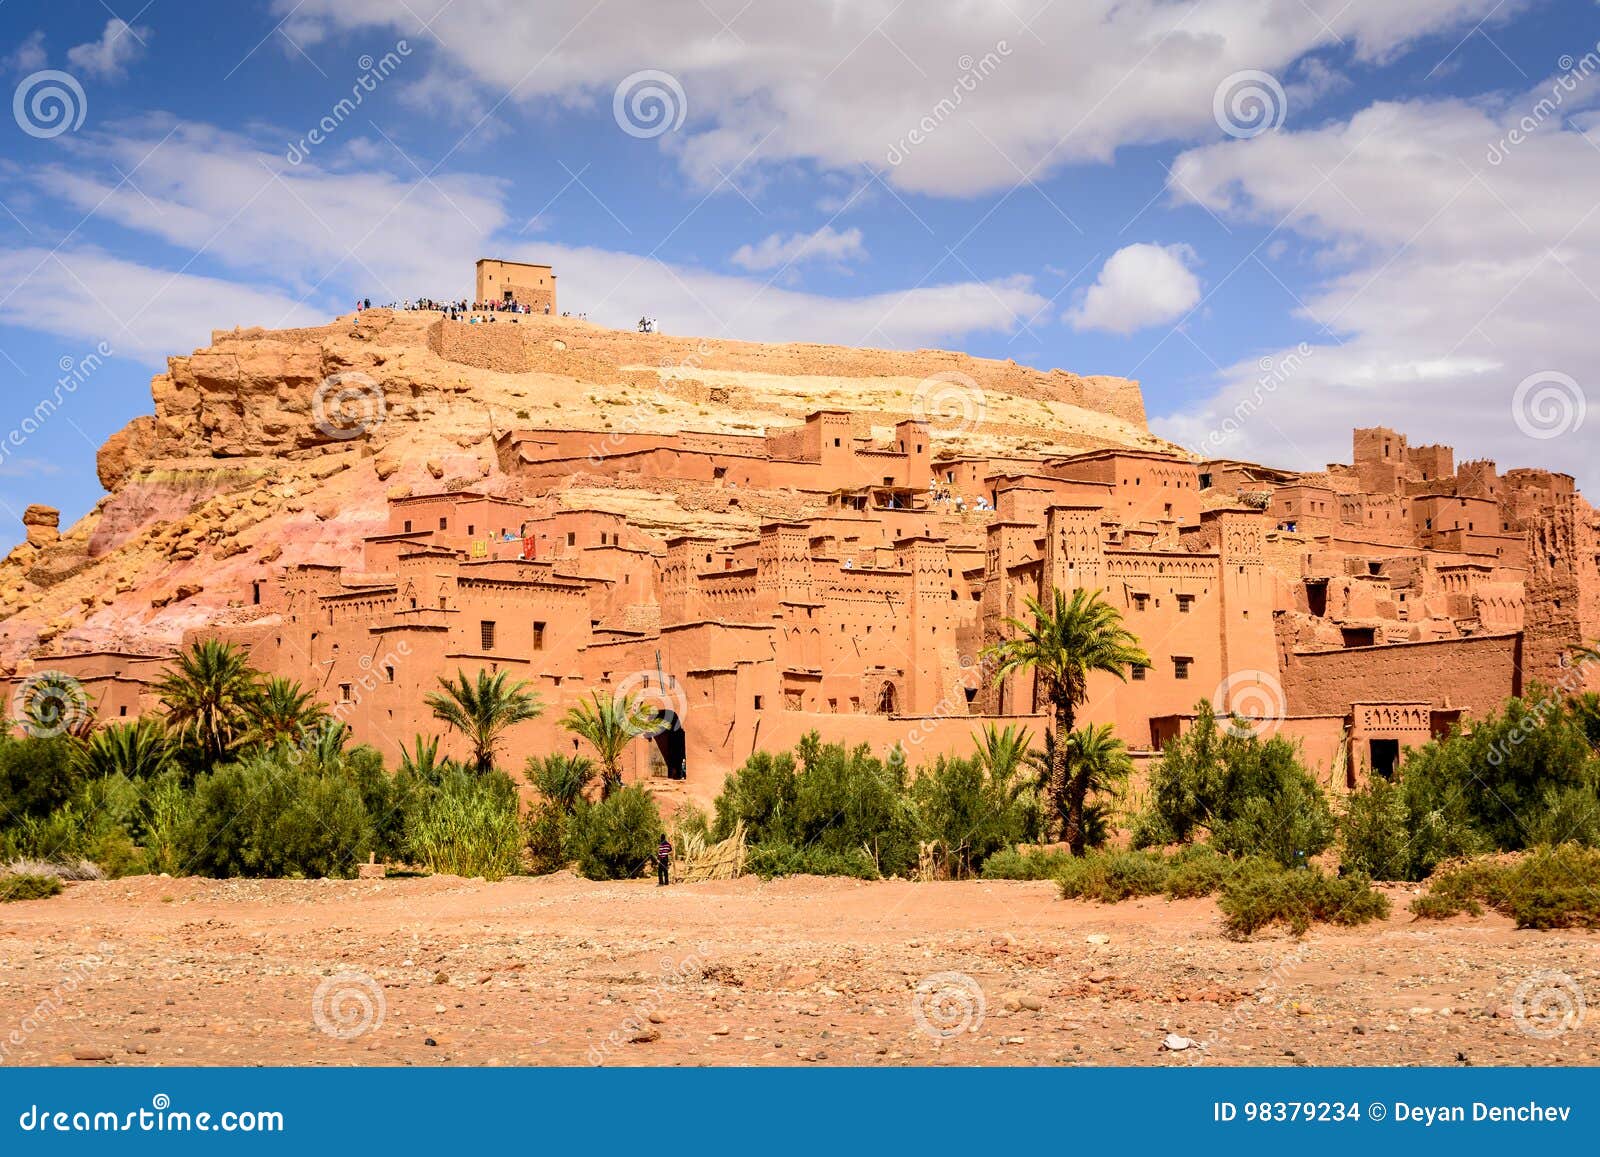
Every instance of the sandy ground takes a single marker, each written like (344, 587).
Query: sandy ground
(559, 971)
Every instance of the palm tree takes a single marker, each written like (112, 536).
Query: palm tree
(609, 723)
(1003, 750)
(561, 779)
(211, 694)
(1100, 764)
(483, 710)
(1062, 646)
(141, 750)
(286, 713)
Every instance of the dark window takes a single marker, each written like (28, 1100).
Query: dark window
(486, 634)
(538, 636)
(1137, 674)
(444, 524)
(388, 673)
(1385, 756)
(408, 526)
(1180, 668)
(572, 538)
(1184, 602)
(345, 692)
(758, 703)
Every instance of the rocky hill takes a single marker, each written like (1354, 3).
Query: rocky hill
(283, 447)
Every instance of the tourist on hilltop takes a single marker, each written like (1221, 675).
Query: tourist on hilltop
(663, 861)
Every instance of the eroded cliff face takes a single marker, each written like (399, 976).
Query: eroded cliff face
(272, 448)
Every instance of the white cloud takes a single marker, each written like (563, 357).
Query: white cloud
(217, 196)
(846, 85)
(1138, 286)
(120, 44)
(28, 56)
(775, 250)
(139, 311)
(1453, 279)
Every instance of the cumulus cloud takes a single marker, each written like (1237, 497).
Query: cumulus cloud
(28, 56)
(139, 311)
(120, 44)
(1139, 285)
(389, 235)
(946, 96)
(776, 250)
(1463, 250)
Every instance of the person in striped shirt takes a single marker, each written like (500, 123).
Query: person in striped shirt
(663, 860)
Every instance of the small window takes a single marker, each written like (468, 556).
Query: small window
(538, 636)
(472, 528)
(1137, 674)
(758, 702)
(572, 538)
(1180, 667)
(123, 711)
(836, 441)
(444, 524)
(1141, 602)
(408, 526)
(255, 593)
(486, 634)
(346, 690)
(1184, 603)
(388, 674)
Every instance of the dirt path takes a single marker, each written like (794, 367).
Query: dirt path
(561, 971)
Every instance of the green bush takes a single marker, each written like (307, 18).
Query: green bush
(1011, 864)
(1374, 834)
(1524, 776)
(37, 776)
(27, 887)
(769, 860)
(468, 825)
(760, 795)
(1247, 796)
(1197, 870)
(615, 839)
(1546, 888)
(1260, 892)
(970, 813)
(272, 816)
(1113, 876)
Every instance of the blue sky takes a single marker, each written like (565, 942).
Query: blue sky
(1394, 223)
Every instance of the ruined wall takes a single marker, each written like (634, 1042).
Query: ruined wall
(1474, 674)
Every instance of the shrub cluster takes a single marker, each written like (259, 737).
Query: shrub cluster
(1259, 892)
(1551, 887)
(831, 810)
(23, 886)
(1525, 776)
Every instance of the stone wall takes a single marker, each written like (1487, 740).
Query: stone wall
(1474, 674)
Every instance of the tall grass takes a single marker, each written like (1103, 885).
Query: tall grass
(468, 826)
